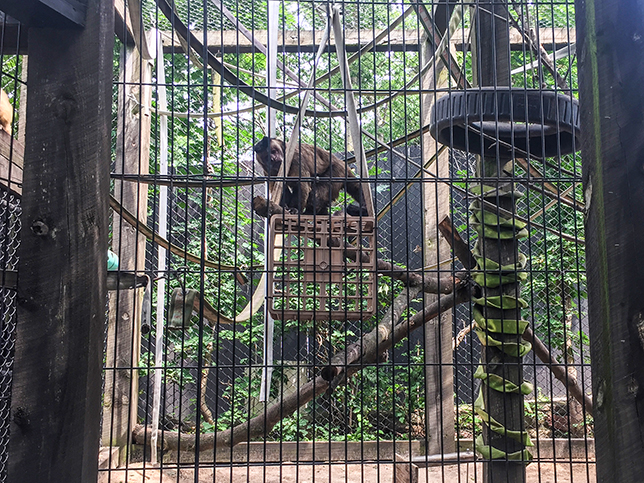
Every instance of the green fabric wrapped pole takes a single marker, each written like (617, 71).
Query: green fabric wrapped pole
(490, 274)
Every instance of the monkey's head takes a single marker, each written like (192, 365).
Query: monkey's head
(270, 155)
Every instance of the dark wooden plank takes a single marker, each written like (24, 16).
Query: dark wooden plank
(47, 13)
(12, 35)
(611, 75)
(56, 398)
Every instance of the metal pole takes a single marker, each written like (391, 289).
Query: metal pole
(271, 77)
(161, 254)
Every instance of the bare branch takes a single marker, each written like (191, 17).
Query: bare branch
(373, 344)
(559, 370)
(459, 247)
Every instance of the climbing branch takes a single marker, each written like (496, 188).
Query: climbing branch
(343, 364)
(559, 370)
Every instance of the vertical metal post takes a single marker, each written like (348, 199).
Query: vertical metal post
(161, 252)
(271, 80)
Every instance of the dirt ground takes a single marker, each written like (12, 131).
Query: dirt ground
(339, 473)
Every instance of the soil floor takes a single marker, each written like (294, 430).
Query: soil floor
(577, 472)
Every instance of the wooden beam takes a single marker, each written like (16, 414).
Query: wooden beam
(439, 375)
(123, 24)
(611, 75)
(229, 41)
(47, 13)
(56, 392)
(124, 328)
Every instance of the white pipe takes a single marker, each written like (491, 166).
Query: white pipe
(163, 229)
(271, 77)
(566, 51)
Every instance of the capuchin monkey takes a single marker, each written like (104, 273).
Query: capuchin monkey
(316, 178)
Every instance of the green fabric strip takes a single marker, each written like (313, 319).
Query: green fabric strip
(494, 219)
(521, 436)
(500, 384)
(501, 302)
(492, 192)
(491, 453)
(512, 349)
(490, 280)
(490, 265)
(489, 224)
(499, 326)
(497, 232)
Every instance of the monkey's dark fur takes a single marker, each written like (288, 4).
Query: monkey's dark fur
(316, 178)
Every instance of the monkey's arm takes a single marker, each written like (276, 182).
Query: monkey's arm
(266, 209)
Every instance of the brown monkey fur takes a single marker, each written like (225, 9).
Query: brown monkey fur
(316, 178)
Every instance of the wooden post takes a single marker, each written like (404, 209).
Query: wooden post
(56, 394)
(124, 329)
(492, 68)
(610, 43)
(439, 377)
(22, 108)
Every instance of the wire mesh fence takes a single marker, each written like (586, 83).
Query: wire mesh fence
(477, 352)
(220, 365)
(13, 83)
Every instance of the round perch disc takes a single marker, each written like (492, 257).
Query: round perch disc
(512, 121)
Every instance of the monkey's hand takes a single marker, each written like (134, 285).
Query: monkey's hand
(266, 208)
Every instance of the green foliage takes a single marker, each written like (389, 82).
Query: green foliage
(218, 222)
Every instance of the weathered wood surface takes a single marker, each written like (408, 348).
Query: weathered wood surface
(308, 41)
(56, 392)
(438, 355)
(47, 13)
(492, 69)
(611, 76)
(303, 41)
(123, 334)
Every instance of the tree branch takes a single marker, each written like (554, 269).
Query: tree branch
(373, 344)
(559, 370)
